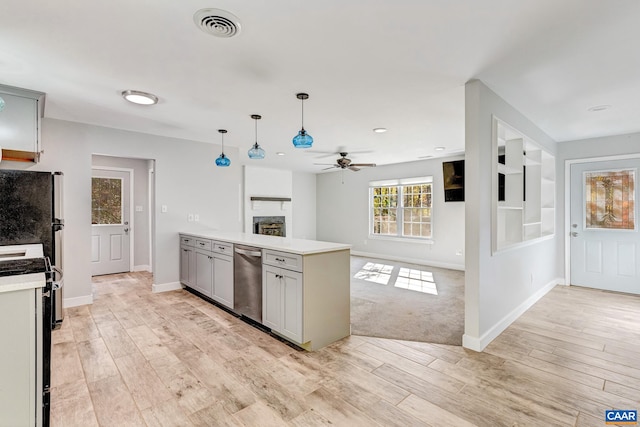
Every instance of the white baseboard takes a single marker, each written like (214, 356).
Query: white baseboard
(141, 268)
(480, 343)
(428, 263)
(74, 302)
(165, 287)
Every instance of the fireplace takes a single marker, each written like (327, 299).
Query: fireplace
(269, 225)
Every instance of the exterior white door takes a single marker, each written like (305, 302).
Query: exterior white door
(110, 229)
(605, 241)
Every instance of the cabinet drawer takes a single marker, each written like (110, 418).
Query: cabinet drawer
(283, 259)
(203, 244)
(187, 241)
(223, 248)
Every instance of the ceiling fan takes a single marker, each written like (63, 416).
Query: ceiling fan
(344, 163)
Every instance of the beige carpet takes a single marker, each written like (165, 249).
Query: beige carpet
(431, 310)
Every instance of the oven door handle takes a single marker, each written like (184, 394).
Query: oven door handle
(57, 284)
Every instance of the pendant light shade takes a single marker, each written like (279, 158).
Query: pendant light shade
(302, 139)
(222, 160)
(256, 152)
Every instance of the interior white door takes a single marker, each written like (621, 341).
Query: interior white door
(110, 228)
(605, 242)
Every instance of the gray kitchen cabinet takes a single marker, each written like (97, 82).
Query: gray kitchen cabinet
(207, 267)
(204, 272)
(20, 122)
(187, 261)
(223, 273)
(21, 354)
(282, 294)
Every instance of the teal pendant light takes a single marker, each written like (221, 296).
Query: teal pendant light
(222, 160)
(302, 139)
(256, 152)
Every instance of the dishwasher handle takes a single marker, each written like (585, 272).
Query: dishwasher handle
(247, 252)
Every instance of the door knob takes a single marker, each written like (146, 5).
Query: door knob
(574, 234)
(126, 230)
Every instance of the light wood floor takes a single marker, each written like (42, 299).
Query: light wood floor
(171, 359)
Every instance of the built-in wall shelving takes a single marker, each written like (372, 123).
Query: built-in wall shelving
(525, 190)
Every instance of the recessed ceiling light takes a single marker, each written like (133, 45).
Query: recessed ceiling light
(598, 108)
(380, 130)
(439, 148)
(138, 97)
(280, 153)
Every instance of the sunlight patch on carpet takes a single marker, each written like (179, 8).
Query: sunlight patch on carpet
(416, 280)
(375, 272)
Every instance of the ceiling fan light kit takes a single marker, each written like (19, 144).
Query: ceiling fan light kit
(302, 139)
(256, 152)
(222, 160)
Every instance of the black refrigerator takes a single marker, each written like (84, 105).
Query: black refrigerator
(31, 212)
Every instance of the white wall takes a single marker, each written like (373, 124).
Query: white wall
(343, 215)
(187, 181)
(501, 286)
(619, 145)
(140, 224)
(304, 205)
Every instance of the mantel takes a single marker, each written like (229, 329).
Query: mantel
(270, 199)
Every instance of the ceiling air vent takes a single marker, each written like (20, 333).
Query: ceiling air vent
(216, 22)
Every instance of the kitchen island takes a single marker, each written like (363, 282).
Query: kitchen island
(305, 286)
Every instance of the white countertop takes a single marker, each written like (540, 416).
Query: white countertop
(285, 244)
(21, 282)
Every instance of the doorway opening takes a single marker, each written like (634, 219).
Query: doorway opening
(122, 215)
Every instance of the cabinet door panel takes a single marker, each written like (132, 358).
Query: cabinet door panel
(204, 273)
(291, 283)
(184, 266)
(223, 280)
(271, 298)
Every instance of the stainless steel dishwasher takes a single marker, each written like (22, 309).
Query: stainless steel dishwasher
(247, 282)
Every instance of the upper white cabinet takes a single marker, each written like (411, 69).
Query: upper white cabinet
(20, 114)
(524, 192)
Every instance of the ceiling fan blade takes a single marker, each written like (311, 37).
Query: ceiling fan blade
(353, 168)
(325, 164)
(332, 167)
(364, 165)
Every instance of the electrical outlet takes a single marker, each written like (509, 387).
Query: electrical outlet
(163, 209)
(196, 217)
(190, 217)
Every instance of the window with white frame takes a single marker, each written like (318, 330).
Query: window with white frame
(401, 208)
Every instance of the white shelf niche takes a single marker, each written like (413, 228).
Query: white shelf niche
(525, 194)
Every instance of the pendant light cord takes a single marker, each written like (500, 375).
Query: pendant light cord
(302, 113)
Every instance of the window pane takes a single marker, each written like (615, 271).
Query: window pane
(106, 201)
(415, 202)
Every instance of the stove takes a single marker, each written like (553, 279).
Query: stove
(26, 281)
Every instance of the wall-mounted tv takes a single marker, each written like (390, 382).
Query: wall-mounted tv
(453, 178)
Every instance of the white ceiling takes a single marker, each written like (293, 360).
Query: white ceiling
(396, 64)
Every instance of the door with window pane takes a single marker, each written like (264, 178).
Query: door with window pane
(110, 243)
